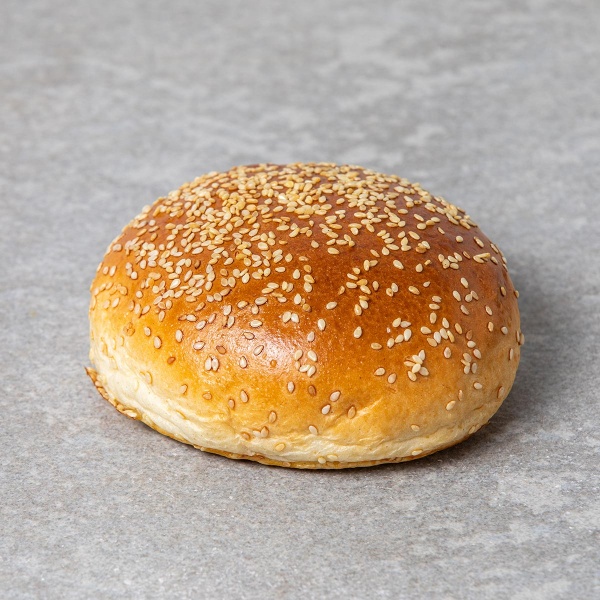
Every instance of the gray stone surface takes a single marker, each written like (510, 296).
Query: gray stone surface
(107, 105)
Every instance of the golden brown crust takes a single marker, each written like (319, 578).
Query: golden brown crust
(305, 315)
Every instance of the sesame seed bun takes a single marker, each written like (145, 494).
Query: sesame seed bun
(305, 315)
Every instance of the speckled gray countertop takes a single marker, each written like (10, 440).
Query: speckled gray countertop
(107, 105)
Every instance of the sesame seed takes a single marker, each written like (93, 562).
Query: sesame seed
(313, 429)
(179, 335)
(243, 362)
(376, 346)
(450, 405)
(335, 396)
(255, 323)
(157, 342)
(291, 387)
(325, 410)
(392, 378)
(413, 290)
(312, 355)
(351, 412)
(330, 305)
(358, 332)
(477, 385)
(244, 396)
(321, 324)
(380, 371)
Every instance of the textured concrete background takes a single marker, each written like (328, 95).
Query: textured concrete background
(107, 105)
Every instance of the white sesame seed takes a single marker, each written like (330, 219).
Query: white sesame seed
(321, 324)
(450, 405)
(380, 371)
(255, 323)
(243, 362)
(312, 355)
(179, 335)
(291, 387)
(335, 396)
(157, 342)
(330, 305)
(325, 410)
(313, 429)
(244, 396)
(477, 385)
(392, 378)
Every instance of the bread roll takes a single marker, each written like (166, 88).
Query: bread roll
(305, 315)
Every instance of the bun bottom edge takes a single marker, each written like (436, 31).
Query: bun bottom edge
(307, 465)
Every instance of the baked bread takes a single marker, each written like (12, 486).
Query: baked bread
(305, 315)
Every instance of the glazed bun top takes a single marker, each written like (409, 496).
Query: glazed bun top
(312, 311)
